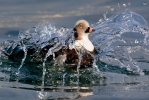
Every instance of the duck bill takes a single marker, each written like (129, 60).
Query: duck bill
(89, 30)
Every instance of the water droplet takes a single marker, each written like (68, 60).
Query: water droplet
(119, 5)
(124, 5)
(56, 40)
(100, 20)
(136, 41)
(17, 73)
(129, 3)
(9, 69)
(104, 15)
(144, 3)
(112, 9)
(1, 63)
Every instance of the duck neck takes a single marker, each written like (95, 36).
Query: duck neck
(83, 41)
(80, 36)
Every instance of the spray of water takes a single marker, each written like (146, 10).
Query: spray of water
(114, 48)
(23, 60)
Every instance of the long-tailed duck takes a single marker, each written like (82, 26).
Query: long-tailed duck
(65, 55)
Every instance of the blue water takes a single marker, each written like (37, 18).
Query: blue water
(120, 70)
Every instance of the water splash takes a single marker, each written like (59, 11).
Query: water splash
(23, 60)
(109, 40)
(119, 5)
(129, 3)
(144, 3)
(112, 9)
(50, 52)
(0, 56)
(78, 72)
(64, 79)
(124, 5)
(122, 42)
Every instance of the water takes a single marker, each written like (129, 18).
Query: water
(112, 9)
(144, 3)
(109, 38)
(120, 69)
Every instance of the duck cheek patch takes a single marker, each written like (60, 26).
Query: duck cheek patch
(74, 29)
(87, 30)
(76, 35)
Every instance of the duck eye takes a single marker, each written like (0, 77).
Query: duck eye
(87, 30)
(80, 26)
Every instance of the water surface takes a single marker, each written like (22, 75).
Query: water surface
(120, 70)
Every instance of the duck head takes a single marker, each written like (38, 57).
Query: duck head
(82, 29)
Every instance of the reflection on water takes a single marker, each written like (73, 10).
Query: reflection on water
(121, 40)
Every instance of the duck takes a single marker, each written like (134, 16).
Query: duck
(65, 55)
(70, 57)
(82, 31)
